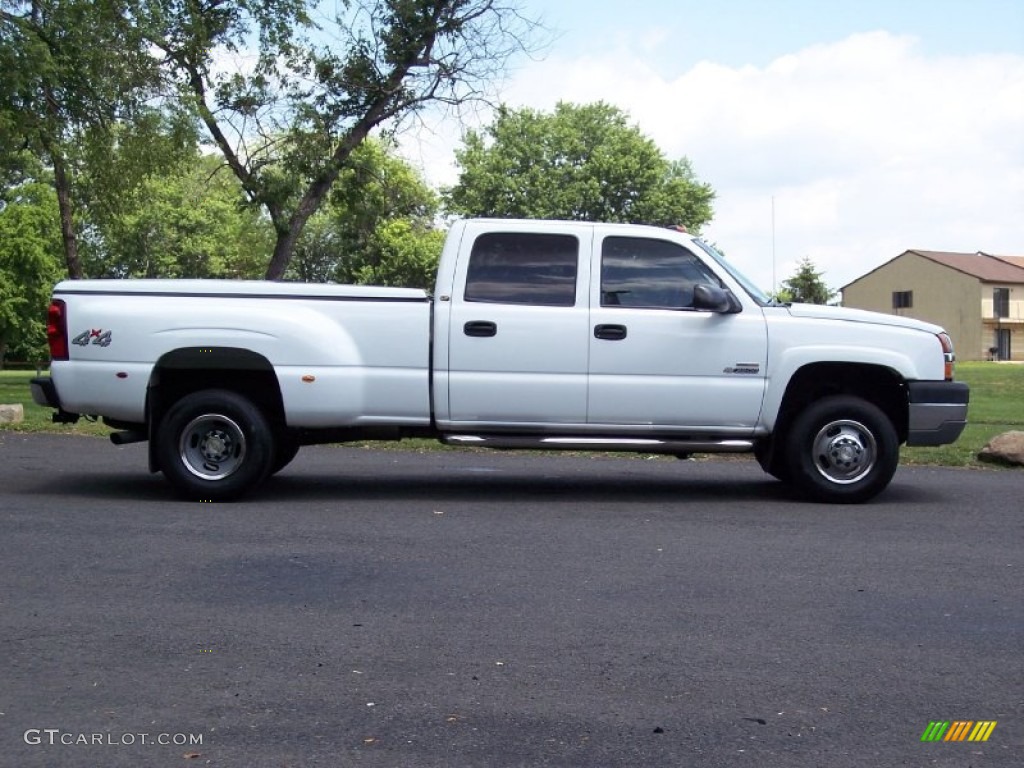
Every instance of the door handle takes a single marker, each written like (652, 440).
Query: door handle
(480, 328)
(610, 332)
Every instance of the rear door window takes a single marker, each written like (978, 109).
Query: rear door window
(523, 268)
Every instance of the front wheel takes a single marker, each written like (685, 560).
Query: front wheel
(215, 445)
(841, 449)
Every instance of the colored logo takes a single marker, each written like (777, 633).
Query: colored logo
(958, 730)
(95, 336)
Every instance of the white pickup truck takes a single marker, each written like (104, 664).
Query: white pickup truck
(539, 334)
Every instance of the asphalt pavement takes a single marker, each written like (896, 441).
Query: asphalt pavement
(384, 608)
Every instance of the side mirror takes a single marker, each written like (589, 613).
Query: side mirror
(711, 298)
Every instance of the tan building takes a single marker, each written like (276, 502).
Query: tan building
(977, 297)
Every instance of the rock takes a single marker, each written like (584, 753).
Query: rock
(1007, 448)
(12, 414)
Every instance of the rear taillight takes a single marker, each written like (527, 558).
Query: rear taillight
(947, 353)
(57, 330)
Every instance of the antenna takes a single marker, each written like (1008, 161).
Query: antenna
(775, 283)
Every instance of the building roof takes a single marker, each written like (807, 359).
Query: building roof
(1018, 260)
(984, 266)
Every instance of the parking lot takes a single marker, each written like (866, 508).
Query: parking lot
(387, 608)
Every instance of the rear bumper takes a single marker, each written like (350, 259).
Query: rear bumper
(45, 393)
(938, 412)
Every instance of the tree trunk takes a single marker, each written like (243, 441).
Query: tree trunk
(287, 237)
(51, 144)
(67, 222)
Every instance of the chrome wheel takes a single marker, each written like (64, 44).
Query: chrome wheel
(844, 451)
(841, 449)
(212, 446)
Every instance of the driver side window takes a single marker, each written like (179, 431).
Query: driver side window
(647, 273)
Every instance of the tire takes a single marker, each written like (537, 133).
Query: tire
(841, 450)
(215, 445)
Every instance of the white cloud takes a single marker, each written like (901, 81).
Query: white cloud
(867, 146)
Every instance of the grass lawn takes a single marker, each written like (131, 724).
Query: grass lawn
(997, 405)
(14, 389)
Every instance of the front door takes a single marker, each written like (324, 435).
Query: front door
(655, 361)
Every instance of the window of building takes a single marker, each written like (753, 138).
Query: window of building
(523, 268)
(1001, 302)
(657, 274)
(902, 299)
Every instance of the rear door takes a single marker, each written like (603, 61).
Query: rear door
(517, 335)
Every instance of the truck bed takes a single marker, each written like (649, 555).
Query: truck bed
(343, 355)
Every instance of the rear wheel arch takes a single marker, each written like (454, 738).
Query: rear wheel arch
(185, 371)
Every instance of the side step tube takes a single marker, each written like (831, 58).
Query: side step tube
(625, 444)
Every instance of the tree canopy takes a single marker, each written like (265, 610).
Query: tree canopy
(580, 162)
(377, 227)
(288, 125)
(189, 220)
(69, 66)
(30, 263)
(285, 90)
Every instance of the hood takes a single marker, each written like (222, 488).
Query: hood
(821, 312)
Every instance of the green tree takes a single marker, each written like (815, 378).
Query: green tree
(188, 221)
(378, 185)
(288, 126)
(68, 66)
(400, 253)
(806, 286)
(114, 162)
(376, 228)
(16, 170)
(30, 263)
(580, 162)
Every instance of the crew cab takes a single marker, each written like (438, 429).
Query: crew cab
(539, 334)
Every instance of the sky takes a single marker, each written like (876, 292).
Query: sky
(841, 131)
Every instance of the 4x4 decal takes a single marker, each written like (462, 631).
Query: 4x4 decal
(96, 336)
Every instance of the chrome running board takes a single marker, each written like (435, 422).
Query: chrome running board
(582, 443)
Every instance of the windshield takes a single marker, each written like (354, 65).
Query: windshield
(755, 293)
